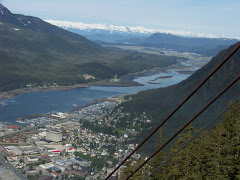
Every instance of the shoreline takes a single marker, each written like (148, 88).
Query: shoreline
(124, 81)
(16, 92)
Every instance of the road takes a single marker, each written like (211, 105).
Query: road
(22, 130)
(10, 166)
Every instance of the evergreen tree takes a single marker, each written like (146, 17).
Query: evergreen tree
(213, 155)
(126, 170)
(181, 164)
(158, 159)
(224, 146)
(130, 167)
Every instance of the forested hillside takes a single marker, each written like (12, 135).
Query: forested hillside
(158, 103)
(206, 46)
(214, 154)
(36, 53)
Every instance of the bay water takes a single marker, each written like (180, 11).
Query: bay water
(62, 100)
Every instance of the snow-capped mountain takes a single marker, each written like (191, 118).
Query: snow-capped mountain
(128, 30)
(106, 34)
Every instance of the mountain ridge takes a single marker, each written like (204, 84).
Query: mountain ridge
(36, 53)
(140, 30)
(206, 46)
(158, 103)
(105, 34)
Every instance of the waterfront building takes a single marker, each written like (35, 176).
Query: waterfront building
(14, 127)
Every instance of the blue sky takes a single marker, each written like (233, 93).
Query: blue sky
(206, 16)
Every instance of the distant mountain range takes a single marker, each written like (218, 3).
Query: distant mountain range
(36, 53)
(85, 29)
(105, 34)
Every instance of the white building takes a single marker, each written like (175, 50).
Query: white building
(32, 159)
(46, 166)
(55, 136)
(13, 149)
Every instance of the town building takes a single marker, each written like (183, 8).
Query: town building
(13, 150)
(55, 136)
(14, 127)
(32, 159)
(77, 170)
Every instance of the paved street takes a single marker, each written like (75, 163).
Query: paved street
(10, 166)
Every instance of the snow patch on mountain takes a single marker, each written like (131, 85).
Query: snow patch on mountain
(126, 29)
(1, 9)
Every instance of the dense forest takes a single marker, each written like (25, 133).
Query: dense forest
(160, 102)
(214, 154)
(36, 53)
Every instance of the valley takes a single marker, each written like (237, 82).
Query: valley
(36, 53)
(193, 59)
(77, 98)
